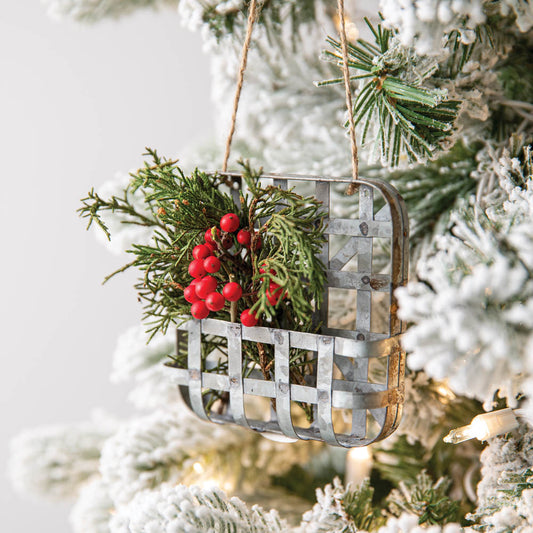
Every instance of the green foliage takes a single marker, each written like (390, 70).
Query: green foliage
(460, 53)
(273, 14)
(93, 205)
(287, 228)
(516, 79)
(294, 228)
(303, 482)
(513, 484)
(409, 118)
(427, 500)
(431, 191)
(519, 483)
(358, 506)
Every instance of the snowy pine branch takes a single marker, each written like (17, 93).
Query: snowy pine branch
(181, 509)
(55, 461)
(393, 106)
(425, 499)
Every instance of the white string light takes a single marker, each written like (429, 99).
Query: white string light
(485, 426)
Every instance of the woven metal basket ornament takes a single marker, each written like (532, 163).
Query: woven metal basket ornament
(357, 383)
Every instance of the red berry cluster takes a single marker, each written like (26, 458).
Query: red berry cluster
(274, 292)
(201, 293)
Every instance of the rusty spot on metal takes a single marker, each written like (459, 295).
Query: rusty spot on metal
(364, 228)
(194, 374)
(377, 284)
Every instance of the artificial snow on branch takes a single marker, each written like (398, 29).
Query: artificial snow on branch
(93, 509)
(425, 23)
(472, 308)
(505, 493)
(172, 446)
(136, 360)
(182, 509)
(55, 461)
(95, 10)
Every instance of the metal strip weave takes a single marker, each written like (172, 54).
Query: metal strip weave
(351, 406)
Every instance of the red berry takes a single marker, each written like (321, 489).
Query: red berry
(196, 268)
(232, 291)
(273, 293)
(199, 310)
(248, 318)
(208, 236)
(215, 301)
(212, 247)
(201, 251)
(229, 222)
(263, 268)
(244, 237)
(190, 294)
(206, 285)
(212, 264)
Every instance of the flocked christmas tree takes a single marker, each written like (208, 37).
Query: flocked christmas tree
(442, 105)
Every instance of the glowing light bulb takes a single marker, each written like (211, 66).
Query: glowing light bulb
(358, 465)
(198, 468)
(484, 426)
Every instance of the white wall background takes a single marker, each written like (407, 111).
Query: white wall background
(77, 104)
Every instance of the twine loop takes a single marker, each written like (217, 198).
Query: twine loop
(253, 13)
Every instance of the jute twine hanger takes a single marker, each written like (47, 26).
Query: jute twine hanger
(253, 12)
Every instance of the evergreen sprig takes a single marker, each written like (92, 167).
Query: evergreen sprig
(426, 499)
(516, 483)
(360, 510)
(431, 194)
(287, 235)
(294, 226)
(409, 118)
(273, 15)
(93, 205)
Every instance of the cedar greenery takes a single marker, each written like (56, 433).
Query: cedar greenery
(288, 228)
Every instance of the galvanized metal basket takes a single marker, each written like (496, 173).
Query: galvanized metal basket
(357, 382)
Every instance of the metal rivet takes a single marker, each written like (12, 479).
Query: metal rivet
(365, 280)
(363, 227)
(278, 338)
(283, 388)
(360, 337)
